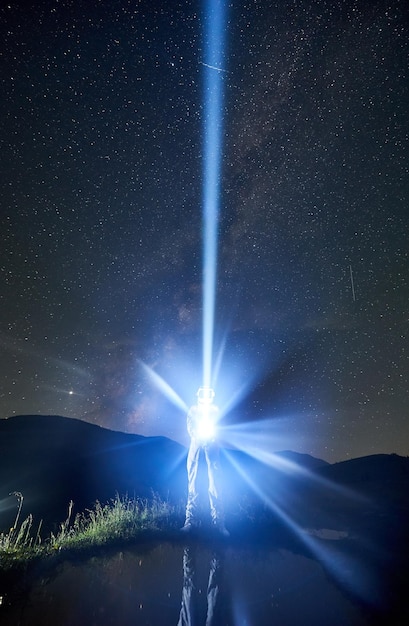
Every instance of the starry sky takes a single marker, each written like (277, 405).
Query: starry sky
(101, 138)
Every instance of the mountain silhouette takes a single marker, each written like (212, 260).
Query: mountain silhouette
(52, 460)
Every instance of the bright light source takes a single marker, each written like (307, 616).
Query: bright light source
(206, 415)
(206, 430)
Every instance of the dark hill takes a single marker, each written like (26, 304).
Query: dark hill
(52, 460)
(373, 468)
(381, 477)
(303, 460)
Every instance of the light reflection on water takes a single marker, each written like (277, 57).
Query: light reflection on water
(167, 584)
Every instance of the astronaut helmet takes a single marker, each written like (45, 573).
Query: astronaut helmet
(205, 395)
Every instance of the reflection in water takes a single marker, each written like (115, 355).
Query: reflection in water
(168, 584)
(190, 601)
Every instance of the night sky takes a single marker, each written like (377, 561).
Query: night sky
(101, 139)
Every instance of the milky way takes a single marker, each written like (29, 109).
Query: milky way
(101, 136)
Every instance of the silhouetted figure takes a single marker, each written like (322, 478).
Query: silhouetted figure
(201, 425)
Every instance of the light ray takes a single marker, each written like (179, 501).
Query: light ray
(256, 440)
(347, 569)
(213, 96)
(164, 387)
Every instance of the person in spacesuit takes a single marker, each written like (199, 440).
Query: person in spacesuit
(202, 421)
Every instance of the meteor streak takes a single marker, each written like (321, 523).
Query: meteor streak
(352, 282)
(212, 67)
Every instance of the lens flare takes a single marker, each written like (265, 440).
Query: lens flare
(213, 103)
(164, 387)
(344, 567)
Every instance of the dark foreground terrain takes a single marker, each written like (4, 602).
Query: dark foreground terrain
(350, 518)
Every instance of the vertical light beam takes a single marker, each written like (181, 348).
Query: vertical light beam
(213, 119)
